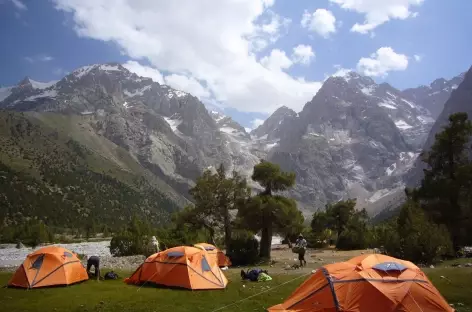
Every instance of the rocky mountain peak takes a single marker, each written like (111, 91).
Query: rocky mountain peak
(25, 82)
(273, 127)
(438, 84)
(284, 111)
(433, 96)
(412, 120)
(352, 78)
(30, 84)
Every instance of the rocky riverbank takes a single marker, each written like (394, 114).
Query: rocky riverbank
(10, 256)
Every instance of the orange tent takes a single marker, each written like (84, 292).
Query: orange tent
(217, 254)
(186, 267)
(368, 283)
(49, 266)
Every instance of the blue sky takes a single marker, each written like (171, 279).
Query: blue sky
(202, 46)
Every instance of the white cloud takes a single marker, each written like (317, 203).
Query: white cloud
(256, 123)
(340, 72)
(277, 60)
(268, 31)
(303, 54)
(378, 12)
(248, 130)
(187, 84)
(39, 58)
(321, 21)
(144, 71)
(381, 62)
(276, 23)
(19, 5)
(210, 41)
(418, 57)
(45, 58)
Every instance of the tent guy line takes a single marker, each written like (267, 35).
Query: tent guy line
(259, 293)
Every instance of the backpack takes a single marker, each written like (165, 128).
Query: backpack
(111, 276)
(263, 277)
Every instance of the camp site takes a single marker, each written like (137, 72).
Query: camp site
(54, 277)
(235, 155)
(237, 249)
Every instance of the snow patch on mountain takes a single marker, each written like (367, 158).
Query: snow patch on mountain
(368, 90)
(173, 122)
(425, 119)
(405, 161)
(4, 93)
(126, 105)
(391, 169)
(107, 67)
(270, 146)
(402, 125)
(380, 194)
(139, 92)
(172, 92)
(42, 85)
(387, 104)
(409, 103)
(232, 131)
(82, 71)
(218, 117)
(47, 93)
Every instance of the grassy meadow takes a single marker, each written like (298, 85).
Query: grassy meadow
(455, 284)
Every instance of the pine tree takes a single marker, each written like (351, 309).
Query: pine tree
(339, 215)
(215, 196)
(446, 185)
(268, 212)
(349, 224)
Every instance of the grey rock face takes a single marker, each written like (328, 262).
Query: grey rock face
(170, 132)
(434, 96)
(274, 126)
(341, 144)
(459, 101)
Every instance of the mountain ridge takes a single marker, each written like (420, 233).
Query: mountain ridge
(333, 144)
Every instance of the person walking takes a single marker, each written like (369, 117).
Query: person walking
(95, 262)
(155, 244)
(301, 244)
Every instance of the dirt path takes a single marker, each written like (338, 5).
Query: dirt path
(283, 258)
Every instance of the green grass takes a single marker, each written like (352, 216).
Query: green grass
(117, 296)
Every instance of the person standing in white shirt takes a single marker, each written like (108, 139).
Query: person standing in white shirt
(155, 243)
(301, 244)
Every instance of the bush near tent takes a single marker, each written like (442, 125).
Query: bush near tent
(368, 283)
(217, 254)
(243, 249)
(49, 266)
(127, 244)
(183, 267)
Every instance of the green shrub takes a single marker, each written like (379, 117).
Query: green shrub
(31, 233)
(416, 238)
(243, 248)
(127, 244)
(317, 241)
(352, 240)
